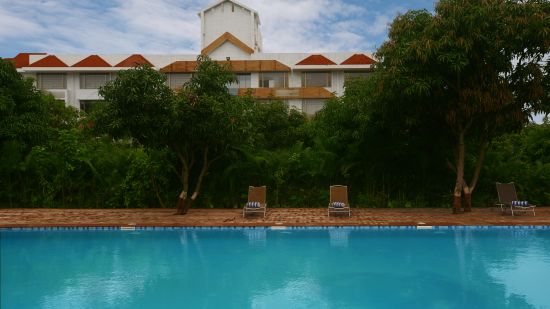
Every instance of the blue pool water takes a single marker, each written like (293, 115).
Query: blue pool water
(263, 268)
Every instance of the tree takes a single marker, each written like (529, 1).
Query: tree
(477, 66)
(523, 158)
(200, 123)
(138, 104)
(387, 160)
(209, 123)
(274, 135)
(341, 127)
(26, 114)
(28, 118)
(275, 125)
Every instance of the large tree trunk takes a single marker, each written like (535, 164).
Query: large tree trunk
(457, 194)
(180, 205)
(457, 203)
(467, 199)
(185, 202)
(186, 165)
(469, 189)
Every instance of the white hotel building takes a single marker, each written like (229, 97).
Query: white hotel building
(230, 32)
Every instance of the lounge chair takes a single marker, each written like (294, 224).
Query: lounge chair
(256, 201)
(339, 200)
(508, 199)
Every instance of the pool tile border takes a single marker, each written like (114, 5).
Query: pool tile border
(175, 228)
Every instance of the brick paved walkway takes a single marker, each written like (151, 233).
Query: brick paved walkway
(277, 216)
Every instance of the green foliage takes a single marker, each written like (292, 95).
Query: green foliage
(208, 120)
(388, 166)
(476, 69)
(138, 105)
(200, 124)
(210, 79)
(470, 71)
(522, 158)
(74, 170)
(28, 119)
(275, 125)
(27, 115)
(273, 155)
(146, 179)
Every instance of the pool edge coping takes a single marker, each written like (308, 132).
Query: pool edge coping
(278, 227)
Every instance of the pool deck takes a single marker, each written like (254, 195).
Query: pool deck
(274, 217)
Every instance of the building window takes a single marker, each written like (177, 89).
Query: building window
(51, 81)
(356, 74)
(93, 80)
(316, 79)
(273, 80)
(242, 81)
(87, 105)
(312, 106)
(177, 80)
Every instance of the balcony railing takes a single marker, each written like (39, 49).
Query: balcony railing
(287, 93)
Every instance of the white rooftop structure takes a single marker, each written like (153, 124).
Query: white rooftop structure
(232, 17)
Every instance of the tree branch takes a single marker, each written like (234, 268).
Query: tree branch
(479, 164)
(204, 169)
(451, 166)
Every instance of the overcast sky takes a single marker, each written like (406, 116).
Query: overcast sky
(173, 27)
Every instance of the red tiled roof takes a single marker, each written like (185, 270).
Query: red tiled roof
(22, 59)
(92, 61)
(133, 61)
(48, 61)
(316, 60)
(359, 59)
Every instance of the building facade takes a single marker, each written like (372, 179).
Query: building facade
(230, 33)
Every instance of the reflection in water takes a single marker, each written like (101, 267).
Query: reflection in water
(524, 267)
(496, 268)
(339, 237)
(183, 238)
(256, 236)
(76, 293)
(462, 241)
(298, 293)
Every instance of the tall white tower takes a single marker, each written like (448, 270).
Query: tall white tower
(230, 29)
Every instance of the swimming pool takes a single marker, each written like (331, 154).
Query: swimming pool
(283, 268)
